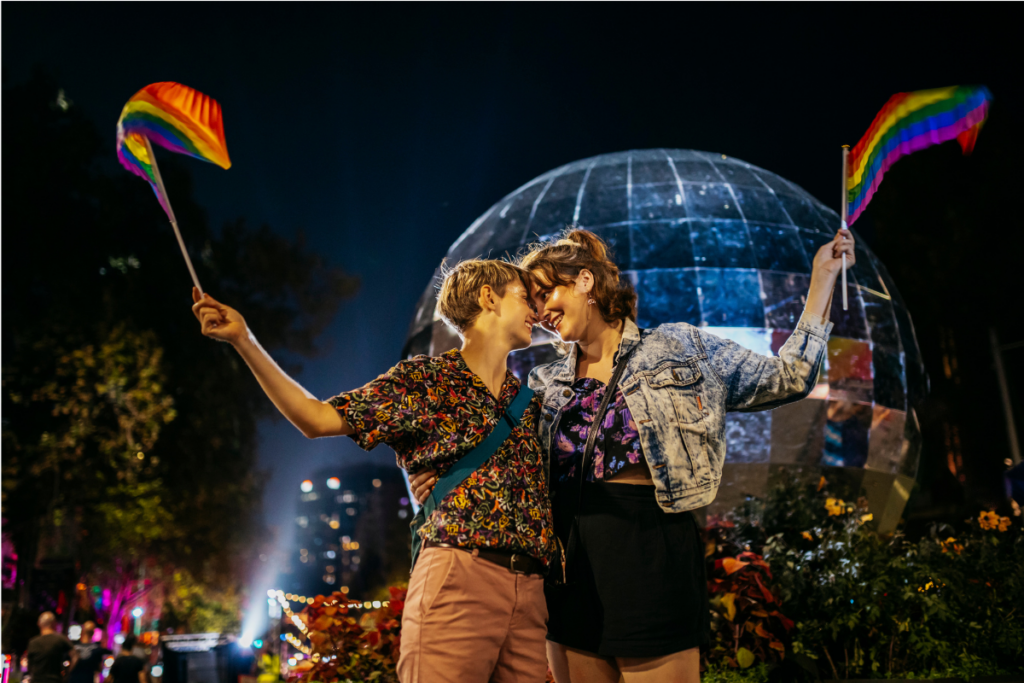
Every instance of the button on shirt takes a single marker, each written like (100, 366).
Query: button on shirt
(433, 411)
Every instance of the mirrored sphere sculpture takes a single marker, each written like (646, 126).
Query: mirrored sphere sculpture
(720, 243)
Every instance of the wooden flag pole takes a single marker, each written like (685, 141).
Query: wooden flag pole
(174, 222)
(842, 215)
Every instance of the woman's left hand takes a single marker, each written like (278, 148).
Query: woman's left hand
(829, 258)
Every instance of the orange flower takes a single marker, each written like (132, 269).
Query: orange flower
(822, 482)
(807, 535)
(1004, 523)
(951, 543)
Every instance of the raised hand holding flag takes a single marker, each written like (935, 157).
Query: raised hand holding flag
(909, 122)
(177, 118)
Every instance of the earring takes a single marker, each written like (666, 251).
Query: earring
(590, 302)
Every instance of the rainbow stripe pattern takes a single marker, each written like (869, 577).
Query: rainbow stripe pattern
(911, 121)
(175, 117)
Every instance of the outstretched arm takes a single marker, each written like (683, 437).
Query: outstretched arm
(756, 382)
(313, 417)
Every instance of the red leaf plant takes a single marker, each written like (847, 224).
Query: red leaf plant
(747, 623)
(345, 647)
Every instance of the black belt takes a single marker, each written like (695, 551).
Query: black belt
(517, 563)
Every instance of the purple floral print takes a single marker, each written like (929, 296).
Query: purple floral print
(618, 442)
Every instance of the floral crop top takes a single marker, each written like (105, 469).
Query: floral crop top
(617, 446)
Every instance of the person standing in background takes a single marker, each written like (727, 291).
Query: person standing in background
(90, 656)
(127, 668)
(48, 651)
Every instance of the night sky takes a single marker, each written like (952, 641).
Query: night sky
(383, 131)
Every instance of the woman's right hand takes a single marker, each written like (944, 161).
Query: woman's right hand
(421, 484)
(218, 321)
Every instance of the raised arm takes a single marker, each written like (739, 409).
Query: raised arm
(756, 382)
(313, 417)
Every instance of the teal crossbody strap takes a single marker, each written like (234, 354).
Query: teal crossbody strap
(470, 463)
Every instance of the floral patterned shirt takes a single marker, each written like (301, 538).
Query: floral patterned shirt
(617, 445)
(434, 410)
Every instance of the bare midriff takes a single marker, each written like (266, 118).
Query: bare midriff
(638, 473)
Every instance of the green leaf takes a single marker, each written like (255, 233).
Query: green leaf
(745, 658)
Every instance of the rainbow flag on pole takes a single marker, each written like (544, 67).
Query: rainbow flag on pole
(175, 117)
(911, 121)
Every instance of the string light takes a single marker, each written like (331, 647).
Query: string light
(285, 599)
(282, 599)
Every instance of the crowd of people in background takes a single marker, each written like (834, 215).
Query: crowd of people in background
(52, 658)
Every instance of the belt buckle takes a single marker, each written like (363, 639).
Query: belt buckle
(512, 565)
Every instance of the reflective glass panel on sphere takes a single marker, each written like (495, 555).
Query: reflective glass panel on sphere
(722, 244)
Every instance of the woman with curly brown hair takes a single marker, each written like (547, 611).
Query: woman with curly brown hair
(634, 424)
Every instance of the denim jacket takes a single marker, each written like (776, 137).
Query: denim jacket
(678, 386)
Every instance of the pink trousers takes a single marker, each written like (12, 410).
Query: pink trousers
(471, 621)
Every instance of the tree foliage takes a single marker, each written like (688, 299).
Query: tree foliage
(127, 435)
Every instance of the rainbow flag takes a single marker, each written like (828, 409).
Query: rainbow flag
(175, 117)
(911, 121)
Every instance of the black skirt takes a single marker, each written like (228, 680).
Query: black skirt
(637, 582)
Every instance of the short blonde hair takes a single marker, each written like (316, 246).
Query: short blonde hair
(459, 289)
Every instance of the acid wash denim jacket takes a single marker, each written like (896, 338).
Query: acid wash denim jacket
(678, 385)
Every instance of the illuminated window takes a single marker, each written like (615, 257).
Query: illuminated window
(333, 483)
(306, 486)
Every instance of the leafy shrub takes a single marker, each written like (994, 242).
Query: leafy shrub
(746, 623)
(346, 649)
(866, 605)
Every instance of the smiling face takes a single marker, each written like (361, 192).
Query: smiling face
(560, 308)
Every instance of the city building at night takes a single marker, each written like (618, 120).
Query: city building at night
(351, 530)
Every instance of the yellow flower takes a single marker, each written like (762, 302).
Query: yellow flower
(835, 506)
(1004, 523)
(866, 518)
(988, 520)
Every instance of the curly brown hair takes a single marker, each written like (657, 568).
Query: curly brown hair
(577, 249)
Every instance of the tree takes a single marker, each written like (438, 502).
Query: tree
(102, 359)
